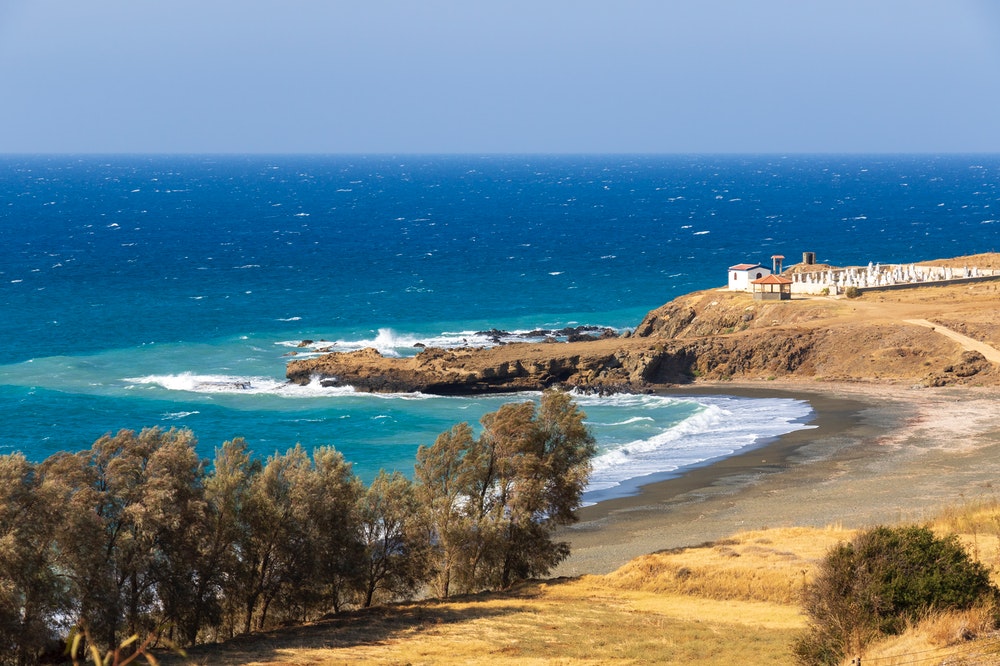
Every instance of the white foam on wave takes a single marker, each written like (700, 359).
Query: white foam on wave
(386, 341)
(389, 342)
(722, 426)
(630, 421)
(227, 384)
(174, 416)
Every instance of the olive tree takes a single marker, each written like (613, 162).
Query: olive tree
(496, 500)
(32, 596)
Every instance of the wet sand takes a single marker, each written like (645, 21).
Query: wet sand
(878, 454)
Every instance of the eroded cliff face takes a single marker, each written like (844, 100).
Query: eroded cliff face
(515, 367)
(710, 313)
(710, 335)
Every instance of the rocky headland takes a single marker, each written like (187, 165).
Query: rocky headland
(927, 335)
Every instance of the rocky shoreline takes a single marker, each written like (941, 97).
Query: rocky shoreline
(712, 335)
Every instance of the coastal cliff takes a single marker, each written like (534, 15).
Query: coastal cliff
(718, 335)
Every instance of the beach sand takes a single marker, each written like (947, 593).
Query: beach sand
(878, 454)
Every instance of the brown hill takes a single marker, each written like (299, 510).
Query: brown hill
(926, 335)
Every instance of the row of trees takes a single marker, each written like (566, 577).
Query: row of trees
(139, 535)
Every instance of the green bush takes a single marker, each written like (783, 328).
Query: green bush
(852, 292)
(883, 579)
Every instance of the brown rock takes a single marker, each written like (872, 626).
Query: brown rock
(712, 335)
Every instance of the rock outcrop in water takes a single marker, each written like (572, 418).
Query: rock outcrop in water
(712, 335)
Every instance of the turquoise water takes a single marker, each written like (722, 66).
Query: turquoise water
(171, 291)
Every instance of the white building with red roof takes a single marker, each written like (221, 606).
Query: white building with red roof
(741, 275)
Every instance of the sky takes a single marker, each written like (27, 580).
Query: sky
(507, 76)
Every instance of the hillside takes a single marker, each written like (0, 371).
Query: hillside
(912, 336)
(732, 601)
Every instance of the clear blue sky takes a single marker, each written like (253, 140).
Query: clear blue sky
(509, 76)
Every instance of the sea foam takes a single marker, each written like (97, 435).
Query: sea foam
(718, 427)
(195, 383)
(392, 343)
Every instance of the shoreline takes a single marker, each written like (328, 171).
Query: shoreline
(879, 453)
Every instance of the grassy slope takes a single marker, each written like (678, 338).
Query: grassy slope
(729, 602)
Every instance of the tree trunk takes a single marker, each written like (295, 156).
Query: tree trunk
(261, 622)
(248, 619)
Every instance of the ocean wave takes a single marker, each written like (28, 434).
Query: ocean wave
(678, 437)
(720, 427)
(190, 382)
(173, 416)
(631, 421)
(392, 343)
(194, 383)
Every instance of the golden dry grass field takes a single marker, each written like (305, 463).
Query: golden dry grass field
(730, 602)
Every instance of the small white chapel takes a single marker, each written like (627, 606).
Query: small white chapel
(741, 275)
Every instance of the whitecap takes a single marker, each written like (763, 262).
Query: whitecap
(392, 343)
(174, 416)
(228, 384)
(720, 427)
(630, 421)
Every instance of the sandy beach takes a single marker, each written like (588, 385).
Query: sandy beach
(878, 454)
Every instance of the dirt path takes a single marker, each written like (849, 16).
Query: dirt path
(991, 353)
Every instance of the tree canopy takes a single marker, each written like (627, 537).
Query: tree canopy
(137, 535)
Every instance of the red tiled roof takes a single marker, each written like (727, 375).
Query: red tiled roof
(744, 267)
(772, 279)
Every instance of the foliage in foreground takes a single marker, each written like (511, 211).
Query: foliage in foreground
(494, 501)
(883, 580)
(137, 536)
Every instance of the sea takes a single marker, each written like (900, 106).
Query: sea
(171, 291)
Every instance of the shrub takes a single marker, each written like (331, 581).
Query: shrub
(883, 579)
(852, 292)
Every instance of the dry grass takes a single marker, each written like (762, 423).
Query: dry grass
(978, 526)
(769, 566)
(953, 638)
(732, 601)
(578, 622)
(961, 637)
(738, 602)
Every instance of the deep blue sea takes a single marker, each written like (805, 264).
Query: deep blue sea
(170, 291)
